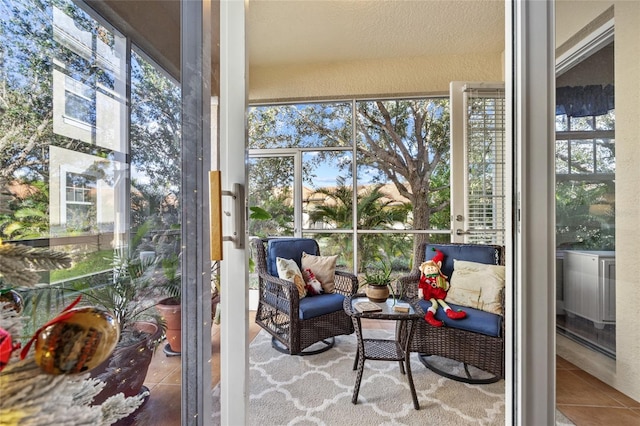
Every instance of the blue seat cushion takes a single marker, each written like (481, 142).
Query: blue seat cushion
(470, 252)
(311, 307)
(476, 321)
(289, 248)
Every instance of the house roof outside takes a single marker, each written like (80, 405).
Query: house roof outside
(392, 195)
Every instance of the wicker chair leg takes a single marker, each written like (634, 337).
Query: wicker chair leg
(424, 359)
(327, 344)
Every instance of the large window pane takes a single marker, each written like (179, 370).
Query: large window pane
(585, 215)
(300, 125)
(402, 166)
(327, 190)
(63, 171)
(403, 161)
(155, 155)
(271, 196)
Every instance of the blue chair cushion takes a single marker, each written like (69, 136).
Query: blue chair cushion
(311, 307)
(469, 252)
(476, 321)
(289, 248)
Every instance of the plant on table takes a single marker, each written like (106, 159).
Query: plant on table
(378, 283)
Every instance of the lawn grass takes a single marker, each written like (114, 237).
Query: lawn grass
(89, 263)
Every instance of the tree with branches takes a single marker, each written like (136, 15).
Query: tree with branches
(405, 142)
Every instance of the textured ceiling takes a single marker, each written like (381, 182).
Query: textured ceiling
(312, 31)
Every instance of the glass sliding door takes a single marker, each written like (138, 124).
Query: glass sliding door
(90, 166)
(589, 293)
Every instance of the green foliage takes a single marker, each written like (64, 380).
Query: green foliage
(130, 295)
(272, 214)
(304, 125)
(576, 226)
(26, 217)
(379, 277)
(374, 211)
(171, 284)
(88, 263)
(258, 213)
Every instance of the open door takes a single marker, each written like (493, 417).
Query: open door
(477, 162)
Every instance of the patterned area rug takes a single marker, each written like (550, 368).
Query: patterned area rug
(317, 390)
(287, 390)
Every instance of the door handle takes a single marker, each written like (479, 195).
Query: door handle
(462, 232)
(215, 200)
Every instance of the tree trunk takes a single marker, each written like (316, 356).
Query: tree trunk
(421, 214)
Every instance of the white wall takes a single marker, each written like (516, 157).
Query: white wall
(571, 16)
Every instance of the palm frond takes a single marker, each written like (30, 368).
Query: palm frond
(19, 263)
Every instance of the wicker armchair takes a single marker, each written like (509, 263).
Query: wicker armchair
(297, 324)
(482, 351)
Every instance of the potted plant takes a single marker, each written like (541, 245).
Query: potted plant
(378, 284)
(170, 307)
(131, 295)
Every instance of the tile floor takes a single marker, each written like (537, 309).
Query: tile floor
(582, 398)
(587, 401)
(164, 377)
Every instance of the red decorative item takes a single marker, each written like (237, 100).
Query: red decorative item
(312, 285)
(433, 286)
(6, 347)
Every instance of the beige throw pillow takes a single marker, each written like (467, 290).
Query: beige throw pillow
(288, 270)
(477, 285)
(324, 268)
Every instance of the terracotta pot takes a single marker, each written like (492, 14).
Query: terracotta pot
(215, 301)
(377, 293)
(171, 310)
(126, 369)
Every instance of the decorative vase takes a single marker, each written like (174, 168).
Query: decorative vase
(377, 293)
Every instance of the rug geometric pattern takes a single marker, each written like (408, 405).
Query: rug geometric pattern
(295, 390)
(317, 390)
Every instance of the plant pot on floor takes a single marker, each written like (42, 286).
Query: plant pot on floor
(171, 311)
(126, 369)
